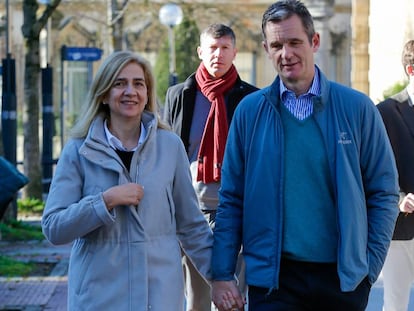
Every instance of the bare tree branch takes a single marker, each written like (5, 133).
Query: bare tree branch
(120, 13)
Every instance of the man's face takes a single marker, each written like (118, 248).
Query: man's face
(217, 54)
(291, 53)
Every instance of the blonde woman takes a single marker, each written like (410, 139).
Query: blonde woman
(122, 193)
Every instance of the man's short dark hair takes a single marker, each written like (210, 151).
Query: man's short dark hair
(217, 31)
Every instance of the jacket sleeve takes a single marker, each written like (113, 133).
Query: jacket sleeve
(69, 214)
(228, 226)
(167, 114)
(193, 231)
(380, 179)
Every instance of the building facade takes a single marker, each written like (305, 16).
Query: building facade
(361, 40)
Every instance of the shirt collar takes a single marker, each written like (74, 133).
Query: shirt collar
(411, 96)
(315, 88)
(411, 101)
(115, 143)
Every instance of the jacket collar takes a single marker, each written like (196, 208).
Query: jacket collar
(272, 92)
(96, 136)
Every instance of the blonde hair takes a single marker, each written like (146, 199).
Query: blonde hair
(101, 85)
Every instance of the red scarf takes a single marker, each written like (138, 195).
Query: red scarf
(213, 142)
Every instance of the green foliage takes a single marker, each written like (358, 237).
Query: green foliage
(186, 41)
(161, 72)
(10, 267)
(16, 230)
(30, 206)
(394, 89)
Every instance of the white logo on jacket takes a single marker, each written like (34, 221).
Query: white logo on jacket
(344, 138)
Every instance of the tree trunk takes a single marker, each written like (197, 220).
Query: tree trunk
(32, 25)
(32, 164)
(117, 34)
(116, 23)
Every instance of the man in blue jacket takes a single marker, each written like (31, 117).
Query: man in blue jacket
(309, 184)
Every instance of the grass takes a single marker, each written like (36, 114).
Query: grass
(11, 267)
(16, 230)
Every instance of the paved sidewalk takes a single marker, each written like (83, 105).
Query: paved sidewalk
(35, 293)
(50, 293)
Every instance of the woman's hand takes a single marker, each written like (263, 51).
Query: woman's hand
(127, 194)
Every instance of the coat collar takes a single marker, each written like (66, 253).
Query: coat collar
(96, 137)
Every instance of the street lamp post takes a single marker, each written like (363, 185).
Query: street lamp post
(9, 102)
(171, 15)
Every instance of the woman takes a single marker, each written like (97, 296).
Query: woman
(122, 193)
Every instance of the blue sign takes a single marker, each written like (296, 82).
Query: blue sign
(88, 54)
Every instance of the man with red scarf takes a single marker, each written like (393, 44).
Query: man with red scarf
(199, 110)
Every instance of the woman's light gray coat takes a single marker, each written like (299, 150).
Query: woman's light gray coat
(130, 258)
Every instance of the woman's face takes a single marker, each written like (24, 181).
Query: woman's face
(128, 94)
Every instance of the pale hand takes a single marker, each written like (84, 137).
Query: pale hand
(407, 204)
(127, 194)
(226, 296)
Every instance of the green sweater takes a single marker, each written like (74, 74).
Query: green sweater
(309, 225)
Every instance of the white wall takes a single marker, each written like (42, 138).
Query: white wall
(391, 25)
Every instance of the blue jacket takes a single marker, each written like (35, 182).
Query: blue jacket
(251, 197)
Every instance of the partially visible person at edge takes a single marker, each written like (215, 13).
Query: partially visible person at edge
(309, 184)
(122, 194)
(200, 110)
(398, 115)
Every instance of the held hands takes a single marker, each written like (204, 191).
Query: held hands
(226, 296)
(127, 194)
(407, 203)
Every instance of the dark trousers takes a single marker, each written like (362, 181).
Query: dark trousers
(307, 286)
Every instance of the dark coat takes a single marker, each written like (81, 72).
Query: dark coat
(180, 102)
(11, 181)
(398, 116)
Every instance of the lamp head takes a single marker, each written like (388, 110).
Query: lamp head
(170, 14)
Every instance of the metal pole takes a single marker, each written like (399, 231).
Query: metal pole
(173, 74)
(9, 111)
(48, 129)
(62, 100)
